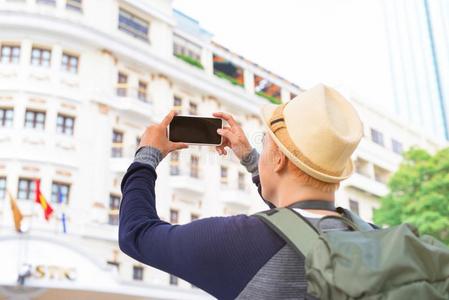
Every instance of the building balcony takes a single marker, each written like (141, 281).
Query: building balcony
(185, 182)
(133, 102)
(379, 155)
(366, 184)
(238, 198)
(40, 80)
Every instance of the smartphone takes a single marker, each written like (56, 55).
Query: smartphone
(195, 130)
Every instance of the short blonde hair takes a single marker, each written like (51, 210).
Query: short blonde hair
(311, 181)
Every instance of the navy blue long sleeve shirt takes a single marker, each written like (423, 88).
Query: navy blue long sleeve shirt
(220, 255)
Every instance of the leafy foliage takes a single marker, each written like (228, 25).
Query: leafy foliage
(190, 60)
(269, 97)
(419, 194)
(228, 78)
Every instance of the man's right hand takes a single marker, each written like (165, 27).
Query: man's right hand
(233, 137)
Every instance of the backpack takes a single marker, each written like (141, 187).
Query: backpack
(364, 263)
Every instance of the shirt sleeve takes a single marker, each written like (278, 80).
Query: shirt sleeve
(218, 254)
(251, 163)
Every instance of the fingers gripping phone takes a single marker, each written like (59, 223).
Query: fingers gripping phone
(195, 130)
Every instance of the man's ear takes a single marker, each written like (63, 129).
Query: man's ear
(280, 163)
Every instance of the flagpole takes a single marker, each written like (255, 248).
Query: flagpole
(61, 203)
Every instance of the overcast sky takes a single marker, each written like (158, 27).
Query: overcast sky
(339, 42)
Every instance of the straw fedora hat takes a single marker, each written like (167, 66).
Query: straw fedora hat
(318, 131)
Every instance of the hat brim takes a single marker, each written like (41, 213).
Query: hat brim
(266, 113)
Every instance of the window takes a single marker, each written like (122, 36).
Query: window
(122, 84)
(60, 192)
(48, 2)
(114, 205)
(397, 147)
(69, 63)
(177, 104)
(142, 92)
(117, 144)
(194, 160)
(193, 108)
(225, 69)
(10, 54)
(266, 89)
(224, 175)
(138, 273)
(76, 5)
(184, 47)
(114, 262)
(40, 57)
(241, 182)
(174, 163)
(35, 119)
(65, 124)
(2, 187)
(6, 117)
(173, 280)
(27, 189)
(174, 216)
(362, 167)
(194, 217)
(377, 137)
(354, 206)
(133, 25)
(381, 175)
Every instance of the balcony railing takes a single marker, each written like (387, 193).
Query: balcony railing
(127, 91)
(187, 181)
(236, 196)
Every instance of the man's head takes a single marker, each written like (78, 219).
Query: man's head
(275, 167)
(309, 142)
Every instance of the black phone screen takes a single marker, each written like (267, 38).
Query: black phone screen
(198, 130)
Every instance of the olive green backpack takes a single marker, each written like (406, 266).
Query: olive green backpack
(392, 263)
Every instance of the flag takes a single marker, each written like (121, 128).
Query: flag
(48, 210)
(16, 213)
(63, 219)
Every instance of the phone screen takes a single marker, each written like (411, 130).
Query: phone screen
(197, 130)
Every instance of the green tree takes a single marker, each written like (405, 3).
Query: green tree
(419, 194)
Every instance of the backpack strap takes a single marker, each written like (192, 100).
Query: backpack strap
(292, 227)
(361, 225)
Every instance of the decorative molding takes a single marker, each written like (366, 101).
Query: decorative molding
(63, 173)
(68, 106)
(38, 100)
(111, 54)
(103, 108)
(6, 98)
(33, 169)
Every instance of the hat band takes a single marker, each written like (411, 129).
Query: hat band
(278, 127)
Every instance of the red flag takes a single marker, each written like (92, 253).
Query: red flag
(48, 210)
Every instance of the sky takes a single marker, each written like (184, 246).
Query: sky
(338, 42)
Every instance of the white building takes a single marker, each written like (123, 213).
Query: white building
(79, 82)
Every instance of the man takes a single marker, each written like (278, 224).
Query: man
(306, 153)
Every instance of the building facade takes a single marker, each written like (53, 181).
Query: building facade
(418, 38)
(79, 82)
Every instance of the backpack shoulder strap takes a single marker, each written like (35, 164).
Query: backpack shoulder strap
(361, 225)
(292, 227)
